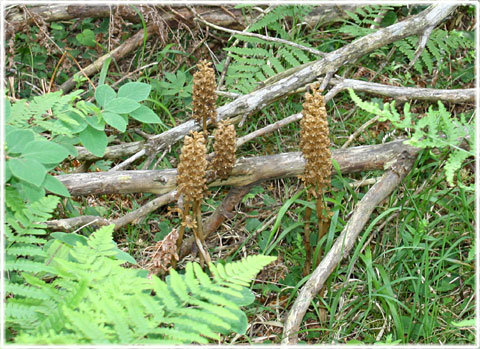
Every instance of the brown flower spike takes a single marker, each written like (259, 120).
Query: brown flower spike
(224, 147)
(204, 97)
(192, 167)
(315, 143)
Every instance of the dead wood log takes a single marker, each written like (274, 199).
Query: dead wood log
(344, 243)
(246, 171)
(228, 16)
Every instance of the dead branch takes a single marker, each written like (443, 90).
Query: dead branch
(70, 223)
(214, 14)
(246, 171)
(145, 209)
(128, 46)
(405, 93)
(268, 129)
(344, 243)
(112, 152)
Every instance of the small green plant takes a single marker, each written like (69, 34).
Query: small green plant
(93, 299)
(436, 129)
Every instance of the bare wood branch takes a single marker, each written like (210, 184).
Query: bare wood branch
(246, 171)
(145, 209)
(70, 223)
(359, 130)
(421, 44)
(268, 129)
(296, 77)
(112, 152)
(128, 161)
(405, 93)
(128, 46)
(344, 243)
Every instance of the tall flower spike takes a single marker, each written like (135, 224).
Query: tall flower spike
(224, 147)
(204, 97)
(192, 168)
(315, 143)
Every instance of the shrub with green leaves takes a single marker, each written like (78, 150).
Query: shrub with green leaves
(92, 299)
(43, 132)
(437, 129)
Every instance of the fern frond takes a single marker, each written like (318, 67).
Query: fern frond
(95, 300)
(241, 272)
(436, 129)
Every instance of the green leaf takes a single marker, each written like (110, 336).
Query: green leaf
(44, 151)
(17, 139)
(55, 186)
(31, 192)
(103, 94)
(121, 105)
(124, 256)
(146, 115)
(8, 174)
(104, 71)
(29, 170)
(81, 122)
(56, 26)
(389, 19)
(70, 238)
(137, 91)
(8, 109)
(115, 120)
(95, 122)
(87, 38)
(94, 140)
(465, 323)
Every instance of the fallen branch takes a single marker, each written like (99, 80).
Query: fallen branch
(16, 20)
(246, 171)
(70, 223)
(145, 209)
(344, 243)
(128, 46)
(405, 93)
(112, 152)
